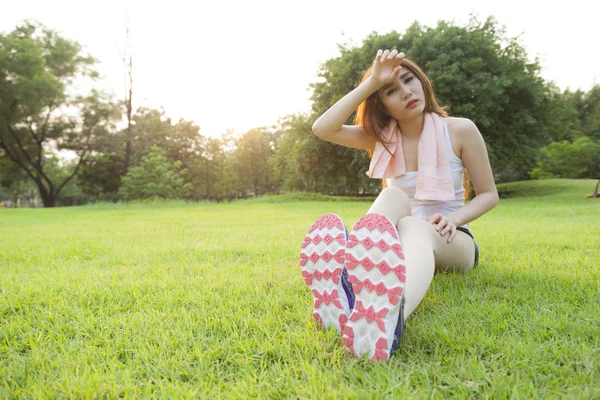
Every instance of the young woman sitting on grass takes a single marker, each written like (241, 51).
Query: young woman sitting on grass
(368, 282)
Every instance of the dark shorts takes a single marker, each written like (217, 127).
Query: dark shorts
(468, 232)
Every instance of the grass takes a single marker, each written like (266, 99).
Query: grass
(207, 301)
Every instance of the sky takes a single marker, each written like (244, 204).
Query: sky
(244, 64)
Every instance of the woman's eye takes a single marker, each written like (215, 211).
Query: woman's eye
(391, 91)
(408, 79)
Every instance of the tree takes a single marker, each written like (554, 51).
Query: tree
(578, 155)
(587, 110)
(128, 64)
(155, 176)
(205, 170)
(580, 159)
(302, 161)
(251, 157)
(477, 71)
(13, 181)
(38, 115)
(100, 176)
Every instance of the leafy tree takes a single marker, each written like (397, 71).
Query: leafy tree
(251, 161)
(14, 183)
(100, 176)
(37, 111)
(578, 155)
(302, 161)
(229, 178)
(580, 159)
(154, 176)
(205, 170)
(586, 106)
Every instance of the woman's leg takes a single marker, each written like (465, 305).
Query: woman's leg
(393, 203)
(376, 269)
(425, 250)
(382, 271)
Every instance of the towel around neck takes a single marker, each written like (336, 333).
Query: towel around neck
(434, 178)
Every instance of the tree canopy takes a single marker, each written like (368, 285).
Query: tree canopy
(39, 114)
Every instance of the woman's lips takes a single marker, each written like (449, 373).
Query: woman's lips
(412, 103)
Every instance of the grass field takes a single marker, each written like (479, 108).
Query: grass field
(188, 301)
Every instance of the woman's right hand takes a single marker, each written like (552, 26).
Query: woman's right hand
(386, 66)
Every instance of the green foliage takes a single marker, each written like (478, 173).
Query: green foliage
(155, 176)
(100, 175)
(251, 162)
(584, 108)
(580, 159)
(206, 170)
(305, 162)
(304, 197)
(37, 69)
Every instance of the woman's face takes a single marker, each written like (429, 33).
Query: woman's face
(404, 99)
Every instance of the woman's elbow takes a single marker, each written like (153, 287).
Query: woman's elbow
(318, 129)
(315, 128)
(495, 199)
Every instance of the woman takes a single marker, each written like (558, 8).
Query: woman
(367, 283)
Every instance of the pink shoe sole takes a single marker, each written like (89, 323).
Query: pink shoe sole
(322, 260)
(377, 270)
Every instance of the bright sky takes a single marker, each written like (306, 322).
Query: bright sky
(243, 64)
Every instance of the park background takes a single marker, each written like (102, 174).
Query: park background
(176, 275)
(217, 103)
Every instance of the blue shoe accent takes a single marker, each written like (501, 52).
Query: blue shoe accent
(399, 328)
(348, 289)
(346, 284)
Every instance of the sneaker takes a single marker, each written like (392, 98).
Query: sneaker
(322, 260)
(377, 271)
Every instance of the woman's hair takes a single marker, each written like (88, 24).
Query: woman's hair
(371, 114)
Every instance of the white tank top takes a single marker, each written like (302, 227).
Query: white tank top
(426, 208)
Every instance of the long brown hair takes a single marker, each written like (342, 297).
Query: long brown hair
(371, 114)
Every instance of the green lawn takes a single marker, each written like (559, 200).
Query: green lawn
(207, 301)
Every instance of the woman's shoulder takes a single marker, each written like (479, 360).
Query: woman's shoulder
(459, 125)
(461, 128)
(461, 131)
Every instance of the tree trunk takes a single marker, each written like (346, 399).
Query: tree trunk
(595, 194)
(48, 198)
(16, 195)
(128, 105)
(127, 155)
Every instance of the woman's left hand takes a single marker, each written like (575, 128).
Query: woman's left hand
(443, 224)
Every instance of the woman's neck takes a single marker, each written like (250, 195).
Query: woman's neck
(413, 128)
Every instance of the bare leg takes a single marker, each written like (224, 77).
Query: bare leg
(393, 203)
(380, 278)
(426, 253)
(425, 250)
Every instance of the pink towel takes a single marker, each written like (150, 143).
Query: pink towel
(434, 179)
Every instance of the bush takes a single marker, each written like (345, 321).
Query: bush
(580, 159)
(154, 177)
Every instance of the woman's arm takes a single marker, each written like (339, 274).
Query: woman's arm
(475, 159)
(330, 126)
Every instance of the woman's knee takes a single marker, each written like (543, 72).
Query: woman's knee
(394, 192)
(413, 224)
(393, 203)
